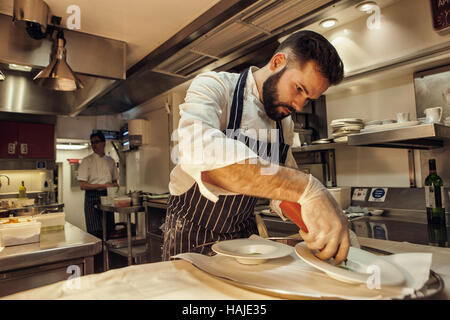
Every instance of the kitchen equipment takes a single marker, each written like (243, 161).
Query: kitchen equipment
(51, 221)
(402, 117)
(373, 123)
(294, 211)
(121, 202)
(106, 201)
(343, 127)
(376, 212)
(322, 141)
(120, 230)
(136, 198)
(251, 251)
(305, 136)
(433, 115)
(116, 191)
(360, 266)
(19, 231)
(390, 126)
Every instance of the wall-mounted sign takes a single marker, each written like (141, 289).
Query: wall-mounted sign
(359, 194)
(440, 10)
(378, 194)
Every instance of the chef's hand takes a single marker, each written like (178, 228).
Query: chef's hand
(328, 230)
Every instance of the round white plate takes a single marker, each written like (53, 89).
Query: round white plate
(348, 120)
(359, 267)
(251, 251)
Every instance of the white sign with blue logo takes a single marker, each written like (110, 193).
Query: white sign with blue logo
(378, 194)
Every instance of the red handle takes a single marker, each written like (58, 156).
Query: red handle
(294, 211)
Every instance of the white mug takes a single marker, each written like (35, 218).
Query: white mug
(402, 117)
(433, 115)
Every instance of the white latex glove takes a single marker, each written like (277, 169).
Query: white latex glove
(328, 229)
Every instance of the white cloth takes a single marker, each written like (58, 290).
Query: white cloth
(201, 141)
(98, 170)
(179, 279)
(295, 278)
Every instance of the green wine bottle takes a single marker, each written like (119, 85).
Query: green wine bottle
(434, 196)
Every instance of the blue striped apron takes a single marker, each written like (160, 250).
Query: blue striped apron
(194, 223)
(93, 213)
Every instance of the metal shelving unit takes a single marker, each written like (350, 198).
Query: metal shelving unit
(134, 249)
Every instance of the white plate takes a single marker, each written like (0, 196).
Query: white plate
(251, 251)
(390, 126)
(347, 120)
(360, 266)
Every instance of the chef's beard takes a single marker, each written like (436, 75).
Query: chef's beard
(271, 98)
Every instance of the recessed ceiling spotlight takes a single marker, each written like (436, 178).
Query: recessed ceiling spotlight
(328, 23)
(366, 6)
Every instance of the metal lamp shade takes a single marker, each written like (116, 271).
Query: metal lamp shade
(2, 76)
(58, 75)
(36, 11)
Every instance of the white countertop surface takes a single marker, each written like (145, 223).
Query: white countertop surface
(179, 279)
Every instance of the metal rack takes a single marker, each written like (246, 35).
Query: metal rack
(135, 248)
(155, 239)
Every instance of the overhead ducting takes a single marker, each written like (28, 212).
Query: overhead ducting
(230, 36)
(23, 57)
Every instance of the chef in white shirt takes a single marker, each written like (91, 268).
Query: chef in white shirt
(96, 173)
(227, 155)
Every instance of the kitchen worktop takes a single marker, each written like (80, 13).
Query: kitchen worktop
(179, 279)
(69, 243)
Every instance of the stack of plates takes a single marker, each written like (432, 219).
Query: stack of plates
(343, 127)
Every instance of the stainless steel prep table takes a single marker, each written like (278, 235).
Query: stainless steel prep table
(33, 265)
(108, 245)
(156, 213)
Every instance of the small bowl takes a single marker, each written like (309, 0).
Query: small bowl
(377, 212)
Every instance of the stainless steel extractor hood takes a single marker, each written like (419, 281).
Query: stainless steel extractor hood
(18, 92)
(230, 36)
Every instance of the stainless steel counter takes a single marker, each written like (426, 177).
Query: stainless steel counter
(66, 244)
(60, 255)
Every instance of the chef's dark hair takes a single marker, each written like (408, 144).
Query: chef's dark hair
(99, 135)
(309, 45)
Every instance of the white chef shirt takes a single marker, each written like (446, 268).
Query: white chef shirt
(205, 115)
(98, 170)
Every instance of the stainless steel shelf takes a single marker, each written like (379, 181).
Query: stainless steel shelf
(424, 136)
(317, 147)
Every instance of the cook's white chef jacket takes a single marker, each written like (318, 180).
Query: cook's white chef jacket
(204, 116)
(98, 170)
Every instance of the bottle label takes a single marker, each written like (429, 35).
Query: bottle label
(434, 197)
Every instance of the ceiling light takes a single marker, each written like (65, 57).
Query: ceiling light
(18, 67)
(71, 146)
(366, 6)
(328, 23)
(58, 75)
(2, 76)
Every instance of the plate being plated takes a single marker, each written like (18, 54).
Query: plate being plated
(359, 267)
(251, 251)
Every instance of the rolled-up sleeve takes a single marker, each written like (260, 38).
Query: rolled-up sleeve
(289, 163)
(202, 145)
